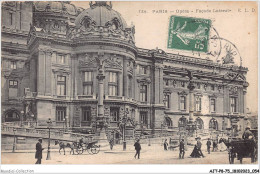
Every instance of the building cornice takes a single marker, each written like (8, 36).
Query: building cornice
(176, 58)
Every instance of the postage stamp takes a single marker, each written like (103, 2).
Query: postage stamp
(186, 33)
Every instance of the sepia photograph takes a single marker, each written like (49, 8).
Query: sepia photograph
(129, 82)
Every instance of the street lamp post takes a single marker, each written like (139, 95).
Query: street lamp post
(49, 122)
(14, 130)
(64, 124)
(124, 128)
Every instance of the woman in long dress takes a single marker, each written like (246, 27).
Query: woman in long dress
(195, 153)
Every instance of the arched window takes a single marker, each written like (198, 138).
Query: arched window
(182, 122)
(12, 115)
(200, 123)
(168, 121)
(213, 124)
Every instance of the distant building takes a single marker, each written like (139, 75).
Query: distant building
(51, 53)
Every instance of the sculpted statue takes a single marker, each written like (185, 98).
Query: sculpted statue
(190, 75)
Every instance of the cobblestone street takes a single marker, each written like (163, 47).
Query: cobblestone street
(153, 154)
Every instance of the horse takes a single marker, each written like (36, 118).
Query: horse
(63, 146)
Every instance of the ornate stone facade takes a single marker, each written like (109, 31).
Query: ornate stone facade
(55, 68)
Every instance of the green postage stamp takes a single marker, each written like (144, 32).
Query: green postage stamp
(186, 33)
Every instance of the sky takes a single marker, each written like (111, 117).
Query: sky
(235, 22)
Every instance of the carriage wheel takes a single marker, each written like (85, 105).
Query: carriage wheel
(89, 151)
(95, 149)
(80, 150)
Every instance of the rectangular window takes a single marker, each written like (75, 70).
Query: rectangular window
(61, 85)
(143, 93)
(144, 118)
(182, 103)
(167, 100)
(112, 83)
(13, 88)
(86, 114)
(13, 84)
(143, 69)
(88, 83)
(13, 65)
(60, 113)
(213, 105)
(233, 104)
(198, 103)
(60, 59)
(114, 113)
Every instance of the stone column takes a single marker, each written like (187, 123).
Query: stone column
(41, 73)
(48, 73)
(125, 78)
(157, 81)
(100, 78)
(134, 82)
(74, 73)
(120, 84)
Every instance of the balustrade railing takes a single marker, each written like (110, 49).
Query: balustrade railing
(57, 134)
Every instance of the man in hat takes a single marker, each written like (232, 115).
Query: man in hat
(199, 147)
(137, 148)
(208, 145)
(247, 134)
(182, 151)
(38, 154)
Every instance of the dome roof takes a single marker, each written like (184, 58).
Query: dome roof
(101, 13)
(56, 7)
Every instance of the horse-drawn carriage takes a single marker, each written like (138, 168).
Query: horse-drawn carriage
(91, 148)
(79, 147)
(240, 148)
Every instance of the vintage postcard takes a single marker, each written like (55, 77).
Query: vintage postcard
(100, 82)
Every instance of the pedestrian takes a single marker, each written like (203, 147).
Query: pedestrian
(81, 142)
(137, 148)
(247, 134)
(199, 147)
(39, 149)
(196, 150)
(208, 145)
(111, 143)
(215, 145)
(165, 144)
(182, 151)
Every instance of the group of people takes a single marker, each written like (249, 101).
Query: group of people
(196, 153)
